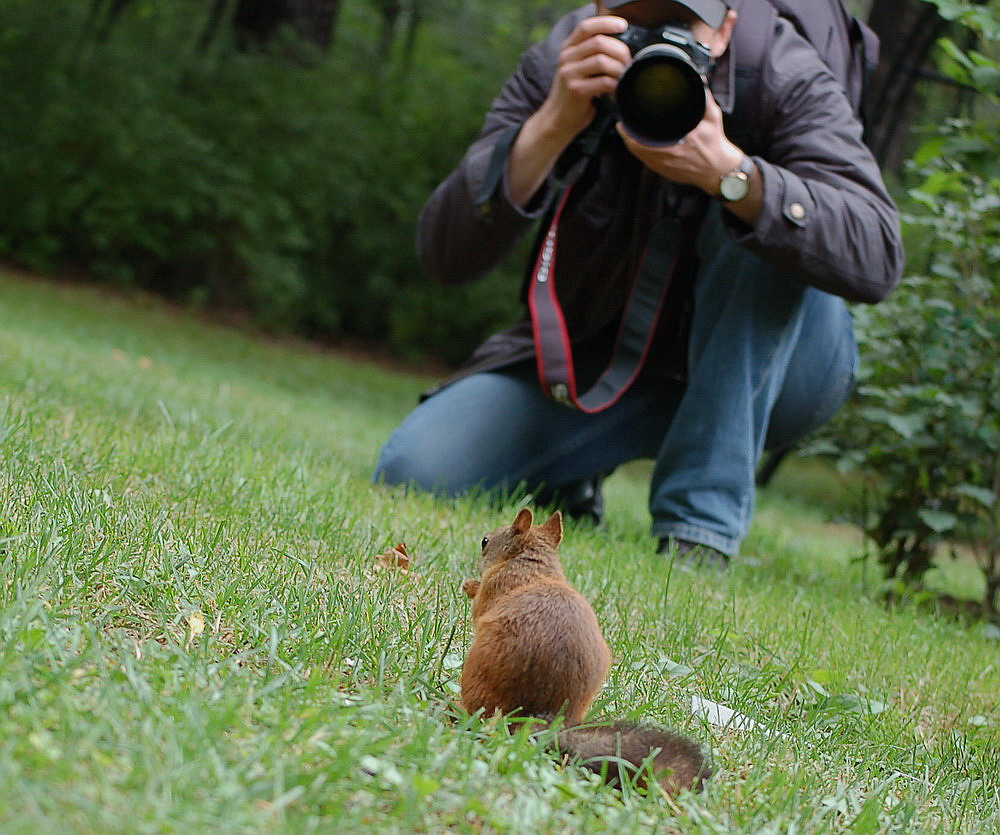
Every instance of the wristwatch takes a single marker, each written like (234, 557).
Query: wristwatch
(736, 184)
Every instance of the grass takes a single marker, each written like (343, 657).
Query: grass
(196, 635)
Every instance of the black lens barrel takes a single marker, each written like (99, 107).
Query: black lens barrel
(661, 96)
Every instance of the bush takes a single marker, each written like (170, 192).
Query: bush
(279, 181)
(926, 431)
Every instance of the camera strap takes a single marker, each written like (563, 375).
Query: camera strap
(553, 346)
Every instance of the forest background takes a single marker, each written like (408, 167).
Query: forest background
(268, 158)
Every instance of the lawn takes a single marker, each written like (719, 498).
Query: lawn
(197, 636)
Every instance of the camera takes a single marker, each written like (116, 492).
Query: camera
(662, 94)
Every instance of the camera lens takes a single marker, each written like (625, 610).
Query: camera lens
(661, 96)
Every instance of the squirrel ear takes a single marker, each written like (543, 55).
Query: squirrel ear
(554, 528)
(523, 521)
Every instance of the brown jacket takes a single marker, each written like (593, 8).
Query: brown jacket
(826, 219)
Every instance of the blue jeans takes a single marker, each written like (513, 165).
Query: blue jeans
(769, 361)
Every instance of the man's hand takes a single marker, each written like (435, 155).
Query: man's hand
(701, 159)
(590, 63)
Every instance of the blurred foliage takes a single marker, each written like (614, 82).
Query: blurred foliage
(150, 151)
(925, 431)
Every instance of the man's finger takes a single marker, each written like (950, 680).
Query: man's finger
(599, 25)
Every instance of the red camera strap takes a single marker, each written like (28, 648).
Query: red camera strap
(553, 347)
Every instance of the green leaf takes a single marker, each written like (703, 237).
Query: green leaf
(906, 425)
(987, 78)
(987, 498)
(938, 521)
(867, 821)
(929, 151)
(936, 184)
(425, 785)
(950, 10)
(674, 669)
(814, 685)
(821, 676)
(853, 703)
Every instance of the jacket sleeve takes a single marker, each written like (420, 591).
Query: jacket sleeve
(469, 224)
(827, 217)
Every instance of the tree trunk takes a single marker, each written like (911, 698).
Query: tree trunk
(391, 11)
(908, 30)
(216, 18)
(314, 20)
(104, 15)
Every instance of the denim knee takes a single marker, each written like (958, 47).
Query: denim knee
(409, 460)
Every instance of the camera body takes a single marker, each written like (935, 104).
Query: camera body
(662, 94)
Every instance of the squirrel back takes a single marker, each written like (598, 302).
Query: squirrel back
(538, 651)
(538, 648)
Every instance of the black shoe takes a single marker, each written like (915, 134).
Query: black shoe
(690, 555)
(578, 500)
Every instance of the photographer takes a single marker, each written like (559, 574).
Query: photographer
(762, 220)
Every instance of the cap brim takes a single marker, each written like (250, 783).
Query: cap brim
(713, 12)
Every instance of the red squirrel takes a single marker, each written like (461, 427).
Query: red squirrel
(538, 651)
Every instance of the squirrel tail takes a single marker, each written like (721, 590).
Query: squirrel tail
(609, 750)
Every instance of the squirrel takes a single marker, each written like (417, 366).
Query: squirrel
(538, 651)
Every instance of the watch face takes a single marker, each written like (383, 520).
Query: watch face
(734, 186)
